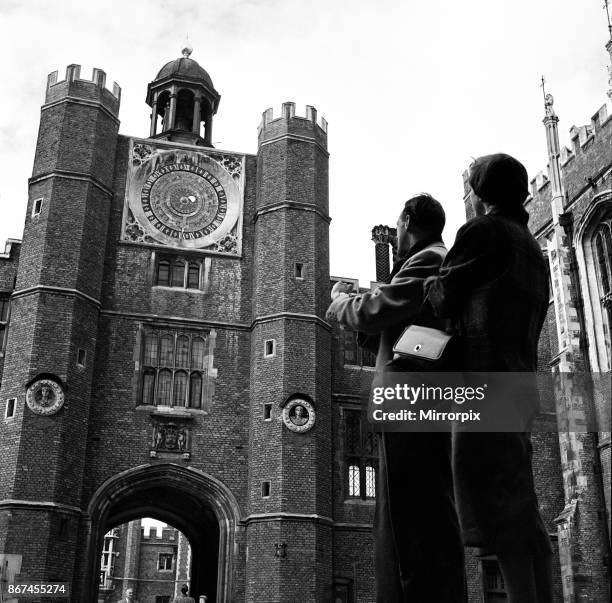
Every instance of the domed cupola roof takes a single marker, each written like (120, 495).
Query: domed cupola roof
(184, 67)
(185, 70)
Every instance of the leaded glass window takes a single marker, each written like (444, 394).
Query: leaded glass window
(361, 454)
(178, 272)
(173, 368)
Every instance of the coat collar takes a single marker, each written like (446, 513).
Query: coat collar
(416, 248)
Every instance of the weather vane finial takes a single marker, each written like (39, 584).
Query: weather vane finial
(187, 47)
(548, 100)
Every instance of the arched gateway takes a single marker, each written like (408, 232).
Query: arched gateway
(198, 505)
(167, 321)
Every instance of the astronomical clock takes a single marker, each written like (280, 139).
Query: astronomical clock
(183, 198)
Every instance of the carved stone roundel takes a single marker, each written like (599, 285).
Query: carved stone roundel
(45, 397)
(299, 415)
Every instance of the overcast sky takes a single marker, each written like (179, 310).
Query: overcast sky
(411, 89)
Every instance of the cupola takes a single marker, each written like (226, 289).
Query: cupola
(183, 101)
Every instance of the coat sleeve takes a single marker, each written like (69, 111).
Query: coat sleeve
(389, 304)
(474, 261)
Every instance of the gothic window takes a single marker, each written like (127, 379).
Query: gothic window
(164, 387)
(361, 454)
(179, 273)
(173, 368)
(197, 352)
(352, 353)
(148, 387)
(195, 390)
(180, 388)
(182, 351)
(602, 251)
(4, 317)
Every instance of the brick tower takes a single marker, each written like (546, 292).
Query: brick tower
(54, 317)
(289, 526)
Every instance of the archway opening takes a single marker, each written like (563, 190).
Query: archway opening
(193, 504)
(144, 560)
(185, 108)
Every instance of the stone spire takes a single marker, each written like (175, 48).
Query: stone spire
(551, 122)
(609, 48)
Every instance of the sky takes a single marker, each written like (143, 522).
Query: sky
(412, 89)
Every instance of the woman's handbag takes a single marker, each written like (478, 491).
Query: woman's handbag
(423, 348)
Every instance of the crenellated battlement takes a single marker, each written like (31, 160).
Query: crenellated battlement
(538, 183)
(158, 533)
(583, 136)
(307, 127)
(288, 112)
(93, 89)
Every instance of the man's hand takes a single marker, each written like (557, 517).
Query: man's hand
(340, 288)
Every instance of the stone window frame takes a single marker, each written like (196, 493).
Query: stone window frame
(37, 206)
(598, 318)
(107, 558)
(11, 404)
(183, 272)
(266, 488)
(5, 314)
(271, 354)
(147, 367)
(360, 448)
(166, 556)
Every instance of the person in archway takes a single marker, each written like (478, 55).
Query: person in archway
(184, 597)
(129, 597)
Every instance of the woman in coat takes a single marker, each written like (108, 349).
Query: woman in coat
(493, 286)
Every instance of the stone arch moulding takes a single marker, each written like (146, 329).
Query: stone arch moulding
(601, 203)
(113, 502)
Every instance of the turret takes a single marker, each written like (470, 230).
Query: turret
(290, 434)
(182, 95)
(54, 320)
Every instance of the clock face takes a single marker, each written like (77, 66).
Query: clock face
(184, 198)
(184, 201)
